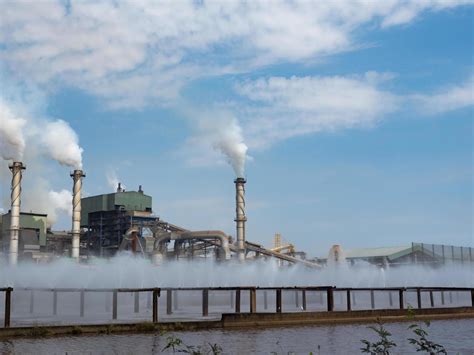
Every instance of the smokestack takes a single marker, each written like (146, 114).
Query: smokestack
(240, 217)
(119, 187)
(16, 169)
(77, 176)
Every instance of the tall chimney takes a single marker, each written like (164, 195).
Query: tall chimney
(77, 176)
(16, 169)
(240, 217)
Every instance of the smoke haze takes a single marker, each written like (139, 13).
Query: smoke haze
(12, 142)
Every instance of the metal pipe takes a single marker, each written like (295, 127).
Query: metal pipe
(77, 176)
(211, 234)
(240, 217)
(16, 169)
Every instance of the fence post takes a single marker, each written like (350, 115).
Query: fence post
(400, 298)
(390, 298)
(297, 299)
(265, 300)
(237, 300)
(169, 302)
(442, 298)
(136, 306)
(32, 301)
(82, 303)
(278, 300)
(114, 304)
(55, 302)
(8, 305)
(472, 297)
(349, 307)
(330, 297)
(418, 297)
(304, 299)
(232, 299)
(253, 300)
(205, 302)
(431, 299)
(156, 294)
(372, 299)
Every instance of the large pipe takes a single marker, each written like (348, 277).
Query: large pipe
(16, 169)
(77, 176)
(240, 217)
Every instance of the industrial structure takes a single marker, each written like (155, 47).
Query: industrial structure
(123, 221)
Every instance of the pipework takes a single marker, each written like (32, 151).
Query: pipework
(16, 169)
(77, 176)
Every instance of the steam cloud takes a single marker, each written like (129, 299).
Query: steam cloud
(57, 137)
(113, 180)
(63, 144)
(12, 142)
(229, 140)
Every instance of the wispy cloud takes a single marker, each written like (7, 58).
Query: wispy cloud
(281, 108)
(446, 99)
(137, 53)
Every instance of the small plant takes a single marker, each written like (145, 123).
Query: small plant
(39, 332)
(177, 345)
(422, 343)
(382, 346)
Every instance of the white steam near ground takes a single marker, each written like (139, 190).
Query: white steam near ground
(126, 271)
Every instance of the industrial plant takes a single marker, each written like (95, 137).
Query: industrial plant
(123, 221)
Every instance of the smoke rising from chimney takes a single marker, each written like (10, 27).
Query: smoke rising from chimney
(226, 137)
(62, 144)
(12, 141)
(56, 137)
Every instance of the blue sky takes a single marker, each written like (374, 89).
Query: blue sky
(357, 116)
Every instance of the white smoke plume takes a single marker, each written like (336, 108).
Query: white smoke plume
(231, 143)
(62, 144)
(12, 141)
(42, 199)
(57, 137)
(222, 131)
(113, 180)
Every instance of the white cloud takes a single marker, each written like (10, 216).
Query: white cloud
(447, 99)
(281, 108)
(134, 52)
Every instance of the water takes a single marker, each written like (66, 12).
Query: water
(455, 335)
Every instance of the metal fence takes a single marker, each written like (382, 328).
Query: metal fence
(423, 253)
(262, 299)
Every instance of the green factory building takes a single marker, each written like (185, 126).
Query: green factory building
(33, 229)
(107, 218)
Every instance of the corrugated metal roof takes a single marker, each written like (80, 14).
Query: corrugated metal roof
(377, 252)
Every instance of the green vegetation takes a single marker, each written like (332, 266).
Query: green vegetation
(177, 346)
(383, 345)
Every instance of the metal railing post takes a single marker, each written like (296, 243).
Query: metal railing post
(303, 296)
(348, 300)
(136, 305)
(431, 299)
(278, 301)
(472, 297)
(114, 304)
(8, 305)
(330, 299)
(156, 294)
(372, 299)
(82, 303)
(400, 298)
(55, 302)
(237, 301)
(265, 300)
(418, 298)
(169, 302)
(205, 302)
(253, 300)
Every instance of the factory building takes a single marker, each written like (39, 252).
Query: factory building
(108, 218)
(32, 236)
(414, 253)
